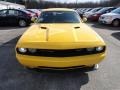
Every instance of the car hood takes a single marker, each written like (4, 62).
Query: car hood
(110, 14)
(59, 36)
(87, 14)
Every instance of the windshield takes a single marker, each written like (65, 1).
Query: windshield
(102, 10)
(116, 11)
(95, 10)
(59, 17)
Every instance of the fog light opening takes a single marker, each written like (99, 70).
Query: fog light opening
(90, 49)
(32, 50)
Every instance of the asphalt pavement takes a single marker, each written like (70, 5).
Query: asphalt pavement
(15, 77)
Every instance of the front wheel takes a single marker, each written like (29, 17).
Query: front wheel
(116, 23)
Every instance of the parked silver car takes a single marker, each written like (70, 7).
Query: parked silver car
(111, 18)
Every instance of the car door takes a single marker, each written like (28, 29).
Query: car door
(3, 17)
(12, 16)
(21, 14)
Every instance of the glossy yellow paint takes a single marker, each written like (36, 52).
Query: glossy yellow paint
(59, 62)
(64, 36)
(58, 9)
(60, 36)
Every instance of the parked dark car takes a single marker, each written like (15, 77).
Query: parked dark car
(96, 15)
(18, 17)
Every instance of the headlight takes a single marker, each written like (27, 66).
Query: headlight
(108, 17)
(100, 48)
(32, 50)
(22, 50)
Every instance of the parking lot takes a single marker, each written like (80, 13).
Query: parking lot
(15, 77)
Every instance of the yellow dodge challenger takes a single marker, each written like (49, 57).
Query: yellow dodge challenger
(59, 39)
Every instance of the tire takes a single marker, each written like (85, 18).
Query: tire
(28, 68)
(116, 23)
(22, 23)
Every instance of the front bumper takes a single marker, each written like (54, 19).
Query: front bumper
(59, 62)
(33, 19)
(105, 21)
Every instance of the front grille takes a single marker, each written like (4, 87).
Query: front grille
(61, 53)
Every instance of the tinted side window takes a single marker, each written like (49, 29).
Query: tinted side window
(11, 12)
(14, 12)
(20, 13)
(3, 12)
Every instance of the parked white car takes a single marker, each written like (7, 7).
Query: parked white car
(111, 18)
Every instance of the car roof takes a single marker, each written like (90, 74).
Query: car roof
(58, 9)
(11, 9)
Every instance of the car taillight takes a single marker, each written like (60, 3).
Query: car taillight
(36, 14)
(29, 15)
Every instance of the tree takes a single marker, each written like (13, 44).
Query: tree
(47, 4)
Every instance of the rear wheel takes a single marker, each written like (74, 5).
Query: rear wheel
(22, 23)
(116, 23)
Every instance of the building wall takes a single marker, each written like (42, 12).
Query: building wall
(5, 5)
(16, 7)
